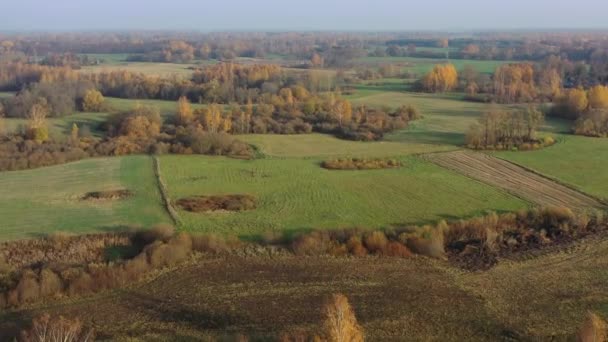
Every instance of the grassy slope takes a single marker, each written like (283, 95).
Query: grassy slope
(576, 160)
(47, 199)
(295, 194)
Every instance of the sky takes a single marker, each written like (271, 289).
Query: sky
(293, 15)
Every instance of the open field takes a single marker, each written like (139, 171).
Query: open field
(446, 117)
(537, 299)
(148, 68)
(45, 200)
(576, 160)
(322, 145)
(421, 66)
(297, 194)
(514, 179)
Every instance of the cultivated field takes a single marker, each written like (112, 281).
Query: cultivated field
(39, 201)
(297, 194)
(579, 161)
(537, 299)
(514, 179)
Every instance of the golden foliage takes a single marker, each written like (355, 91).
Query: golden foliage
(442, 78)
(598, 97)
(340, 321)
(184, 111)
(93, 101)
(593, 329)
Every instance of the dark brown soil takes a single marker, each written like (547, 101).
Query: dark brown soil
(107, 195)
(199, 204)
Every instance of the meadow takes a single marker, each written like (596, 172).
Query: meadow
(576, 160)
(297, 194)
(323, 145)
(421, 66)
(40, 201)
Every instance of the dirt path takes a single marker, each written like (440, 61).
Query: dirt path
(514, 179)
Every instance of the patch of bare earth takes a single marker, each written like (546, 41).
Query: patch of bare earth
(514, 179)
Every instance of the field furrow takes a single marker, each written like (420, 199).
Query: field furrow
(514, 179)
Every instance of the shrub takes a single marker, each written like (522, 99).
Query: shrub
(360, 164)
(214, 203)
(431, 246)
(50, 283)
(376, 242)
(49, 329)
(340, 321)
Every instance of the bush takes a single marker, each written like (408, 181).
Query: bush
(360, 164)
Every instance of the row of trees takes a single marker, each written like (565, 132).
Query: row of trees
(293, 112)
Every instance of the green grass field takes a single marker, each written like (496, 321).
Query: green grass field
(297, 194)
(575, 160)
(421, 66)
(45, 200)
(322, 145)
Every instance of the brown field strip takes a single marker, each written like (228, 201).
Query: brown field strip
(514, 179)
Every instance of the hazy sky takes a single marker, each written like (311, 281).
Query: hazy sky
(218, 15)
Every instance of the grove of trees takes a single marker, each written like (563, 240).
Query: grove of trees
(499, 129)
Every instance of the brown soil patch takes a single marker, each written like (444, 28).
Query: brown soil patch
(514, 179)
(107, 195)
(200, 204)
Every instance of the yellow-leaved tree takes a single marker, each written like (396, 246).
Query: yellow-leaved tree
(442, 78)
(340, 321)
(184, 111)
(37, 128)
(598, 97)
(93, 101)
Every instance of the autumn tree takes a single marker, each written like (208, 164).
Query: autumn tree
(74, 136)
(184, 111)
(593, 123)
(342, 110)
(594, 329)
(571, 104)
(442, 78)
(534, 118)
(56, 329)
(598, 97)
(340, 321)
(93, 101)
(213, 119)
(37, 128)
(514, 83)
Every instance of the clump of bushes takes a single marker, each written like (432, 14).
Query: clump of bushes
(199, 204)
(474, 243)
(351, 242)
(107, 195)
(360, 164)
(50, 278)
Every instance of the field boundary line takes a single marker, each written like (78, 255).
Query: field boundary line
(558, 181)
(164, 193)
